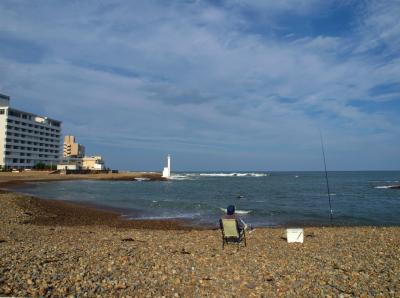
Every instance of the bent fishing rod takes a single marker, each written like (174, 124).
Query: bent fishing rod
(327, 180)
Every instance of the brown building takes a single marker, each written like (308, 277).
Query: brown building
(73, 149)
(95, 162)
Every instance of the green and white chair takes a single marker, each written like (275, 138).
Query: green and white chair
(231, 232)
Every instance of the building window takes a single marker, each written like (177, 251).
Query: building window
(2, 111)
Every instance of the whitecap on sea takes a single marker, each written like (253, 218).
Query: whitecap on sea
(233, 174)
(237, 211)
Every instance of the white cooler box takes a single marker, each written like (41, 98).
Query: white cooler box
(295, 235)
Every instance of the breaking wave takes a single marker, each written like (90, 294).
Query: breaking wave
(233, 174)
(194, 176)
(180, 177)
(237, 211)
(384, 186)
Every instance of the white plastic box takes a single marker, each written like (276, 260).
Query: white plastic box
(294, 235)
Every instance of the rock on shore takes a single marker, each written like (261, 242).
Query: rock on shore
(104, 260)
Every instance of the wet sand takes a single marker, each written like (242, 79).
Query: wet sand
(54, 248)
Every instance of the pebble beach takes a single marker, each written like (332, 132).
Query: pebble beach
(59, 249)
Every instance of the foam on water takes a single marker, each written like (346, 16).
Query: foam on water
(193, 176)
(180, 177)
(233, 174)
(237, 211)
(142, 179)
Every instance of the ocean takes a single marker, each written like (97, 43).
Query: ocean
(262, 199)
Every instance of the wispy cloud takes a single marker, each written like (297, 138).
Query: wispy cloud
(239, 79)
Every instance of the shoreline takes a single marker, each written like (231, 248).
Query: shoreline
(14, 182)
(51, 212)
(51, 248)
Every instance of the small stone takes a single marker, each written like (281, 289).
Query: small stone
(250, 285)
(121, 286)
(7, 290)
(42, 290)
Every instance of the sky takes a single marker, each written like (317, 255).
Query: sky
(220, 85)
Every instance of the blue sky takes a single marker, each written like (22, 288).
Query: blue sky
(221, 85)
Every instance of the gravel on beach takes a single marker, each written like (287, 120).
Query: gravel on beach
(44, 254)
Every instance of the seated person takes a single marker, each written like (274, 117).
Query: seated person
(230, 214)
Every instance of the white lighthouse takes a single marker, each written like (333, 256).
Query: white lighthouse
(167, 170)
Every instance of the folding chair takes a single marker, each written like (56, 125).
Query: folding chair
(231, 232)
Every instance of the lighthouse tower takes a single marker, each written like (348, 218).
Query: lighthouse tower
(167, 170)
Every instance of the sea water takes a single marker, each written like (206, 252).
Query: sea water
(262, 199)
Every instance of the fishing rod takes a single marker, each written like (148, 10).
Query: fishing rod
(327, 180)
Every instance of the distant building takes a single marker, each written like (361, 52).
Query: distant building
(73, 149)
(27, 139)
(70, 163)
(68, 166)
(93, 163)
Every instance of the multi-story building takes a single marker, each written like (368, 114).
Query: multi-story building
(27, 139)
(73, 149)
(95, 162)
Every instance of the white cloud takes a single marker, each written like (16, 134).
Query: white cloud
(185, 76)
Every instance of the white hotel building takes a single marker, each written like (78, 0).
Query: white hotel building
(27, 139)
